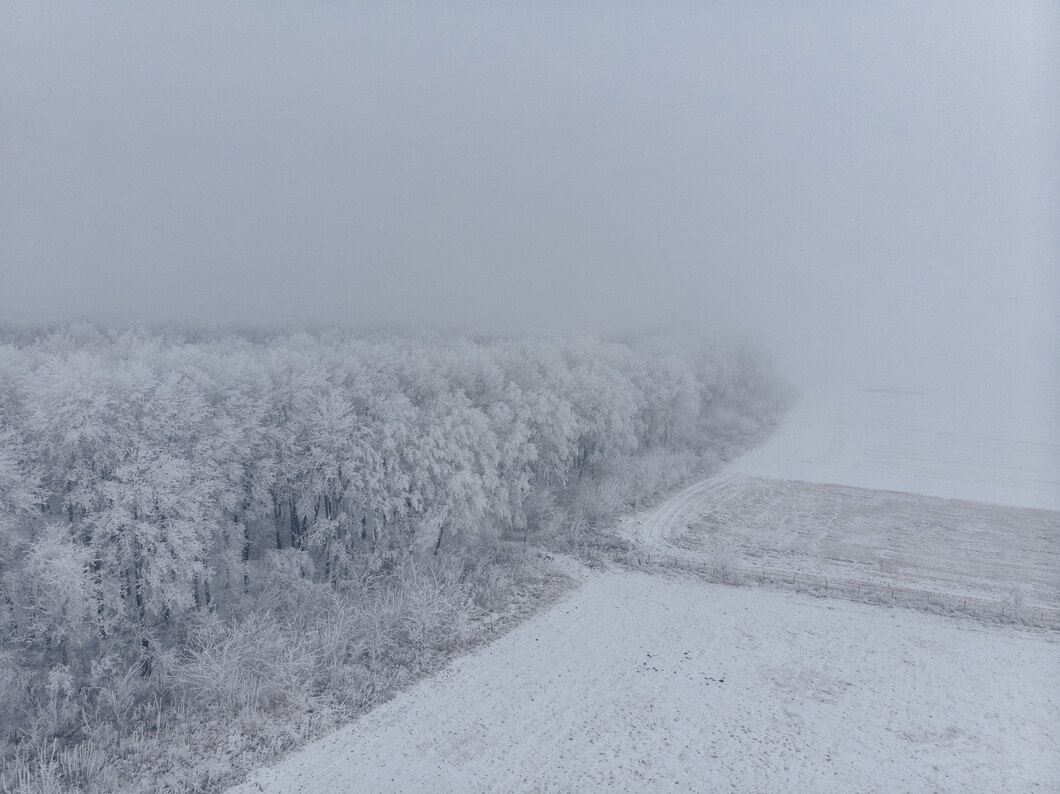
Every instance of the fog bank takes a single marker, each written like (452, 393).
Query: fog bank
(870, 190)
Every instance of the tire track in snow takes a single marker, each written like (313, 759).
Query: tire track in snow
(657, 526)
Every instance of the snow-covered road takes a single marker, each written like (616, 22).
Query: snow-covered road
(643, 682)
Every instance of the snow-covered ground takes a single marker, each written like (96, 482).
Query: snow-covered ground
(656, 682)
(650, 683)
(966, 558)
(955, 444)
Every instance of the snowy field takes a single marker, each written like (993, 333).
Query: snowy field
(981, 446)
(958, 557)
(645, 682)
(649, 683)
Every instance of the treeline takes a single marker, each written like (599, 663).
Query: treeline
(150, 477)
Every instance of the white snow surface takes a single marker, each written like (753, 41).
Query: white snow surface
(641, 682)
(649, 683)
(955, 444)
(977, 560)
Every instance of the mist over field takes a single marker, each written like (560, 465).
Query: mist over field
(529, 396)
(861, 187)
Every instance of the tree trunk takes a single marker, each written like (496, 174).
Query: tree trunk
(277, 515)
(97, 582)
(246, 558)
(293, 520)
(141, 618)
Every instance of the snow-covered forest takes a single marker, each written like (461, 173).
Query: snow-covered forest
(199, 523)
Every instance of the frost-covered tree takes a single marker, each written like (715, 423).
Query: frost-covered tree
(153, 484)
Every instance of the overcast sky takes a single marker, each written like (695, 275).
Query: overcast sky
(857, 183)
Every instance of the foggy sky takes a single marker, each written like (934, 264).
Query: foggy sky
(861, 185)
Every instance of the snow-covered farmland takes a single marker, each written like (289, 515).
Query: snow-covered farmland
(642, 683)
(973, 442)
(945, 555)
